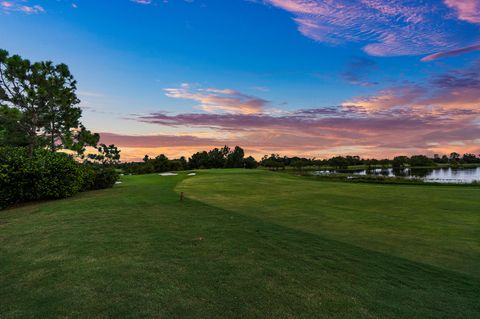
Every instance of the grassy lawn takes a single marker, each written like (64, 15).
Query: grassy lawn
(244, 244)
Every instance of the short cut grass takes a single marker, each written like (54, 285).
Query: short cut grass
(244, 244)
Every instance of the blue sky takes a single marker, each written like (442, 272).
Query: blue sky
(261, 62)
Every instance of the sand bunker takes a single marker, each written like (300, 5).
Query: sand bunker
(168, 174)
(192, 174)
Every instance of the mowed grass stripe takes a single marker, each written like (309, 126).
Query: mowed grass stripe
(438, 225)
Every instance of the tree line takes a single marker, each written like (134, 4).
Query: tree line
(224, 157)
(275, 161)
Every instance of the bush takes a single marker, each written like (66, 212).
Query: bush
(17, 176)
(58, 175)
(104, 177)
(87, 175)
(47, 175)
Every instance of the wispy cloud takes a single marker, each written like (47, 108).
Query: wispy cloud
(213, 100)
(383, 28)
(20, 6)
(456, 89)
(142, 1)
(451, 53)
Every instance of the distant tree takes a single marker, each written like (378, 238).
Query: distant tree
(178, 164)
(250, 163)
(274, 162)
(199, 160)
(454, 158)
(235, 159)
(183, 162)
(371, 163)
(470, 158)
(300, 163)
(338, 162)
(353, 160)
(384, 162)
(420, 160)
(217, 157)
(161, 163)
(400, 161)
(146, 159)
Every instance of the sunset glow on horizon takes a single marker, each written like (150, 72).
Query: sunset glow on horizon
(312, 78)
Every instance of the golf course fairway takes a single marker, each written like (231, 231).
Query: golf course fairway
(244, 244)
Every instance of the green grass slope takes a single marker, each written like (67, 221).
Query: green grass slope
(244, 244)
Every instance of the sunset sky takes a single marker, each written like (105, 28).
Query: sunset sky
(314, 78)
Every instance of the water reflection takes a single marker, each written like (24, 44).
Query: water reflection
(438, 175)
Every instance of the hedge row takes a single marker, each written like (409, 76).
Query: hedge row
(47, 175)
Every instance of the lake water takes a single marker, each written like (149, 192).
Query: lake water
(437, 175)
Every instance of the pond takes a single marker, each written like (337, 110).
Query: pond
(437, 175)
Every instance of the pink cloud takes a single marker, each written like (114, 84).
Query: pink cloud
(455, 90)
(6, 4)
(383, 28)
(212, 100)
(451, 53)
(395, 97)
(467, 10)
(20, 6)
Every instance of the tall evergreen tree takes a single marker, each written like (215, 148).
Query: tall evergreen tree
(45, 94)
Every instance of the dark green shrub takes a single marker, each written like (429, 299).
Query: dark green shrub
(47, 175)
(59, 175)
(104, 177)
(87, 175)
(17, 176)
